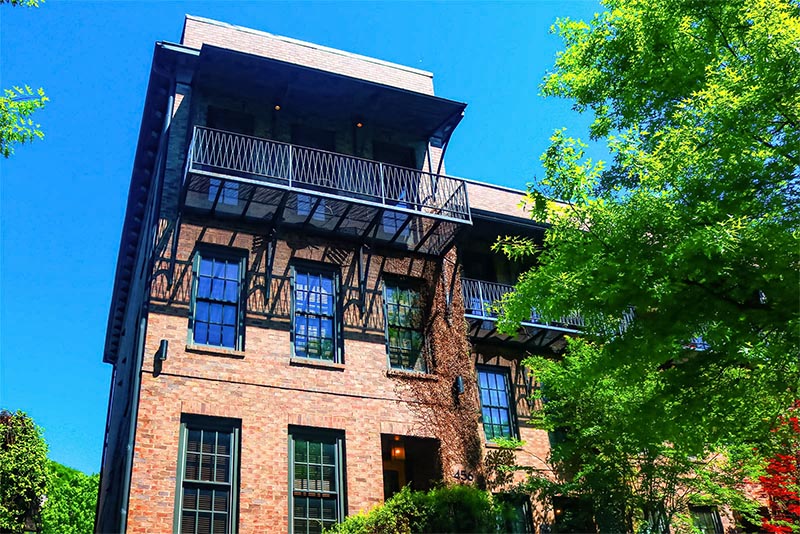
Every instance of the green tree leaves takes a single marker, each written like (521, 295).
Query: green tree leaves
(694, 224)
(71, 501)
(17, 105)
(23, 456)
(16, 126)
(37, 493)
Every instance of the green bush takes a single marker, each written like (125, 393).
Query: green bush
(452, 509)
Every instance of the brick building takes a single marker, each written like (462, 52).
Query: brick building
(300, 323)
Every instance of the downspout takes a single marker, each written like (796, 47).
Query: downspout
(142, 329)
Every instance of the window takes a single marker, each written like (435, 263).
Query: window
(229, 194)
(216, 300)
(317, 478)
(207, 476)
(315, 327)
(495, 403)
(706, 519)
(402, 184)
(306, 203)
(393, 221)
(404, 334)
(517, 517)
(234, 122)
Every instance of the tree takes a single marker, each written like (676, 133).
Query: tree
(631, 476)
(782, 479)
(692, 229)
(23, 455)
(71, 501)
(17, 105)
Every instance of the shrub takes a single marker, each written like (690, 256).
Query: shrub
(456, 509)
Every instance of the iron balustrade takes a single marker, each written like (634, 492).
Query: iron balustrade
(480, 298)
(233, 156)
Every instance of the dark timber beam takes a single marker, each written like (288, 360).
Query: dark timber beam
(401, 229)
(249, 201)
(343, 217)
(312, 212)
(427, 235)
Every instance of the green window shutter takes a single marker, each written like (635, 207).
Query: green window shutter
(207, 481)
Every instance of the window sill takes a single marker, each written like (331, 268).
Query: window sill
(321, 364)
(399, 373)
(493, 445)
(215, 351)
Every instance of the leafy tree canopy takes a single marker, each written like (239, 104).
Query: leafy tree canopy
(71, 501)
(693, 225)
(23, 456)
(17, 105)
(691, 230)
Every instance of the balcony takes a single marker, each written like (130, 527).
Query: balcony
(480, 298)
(230, 175)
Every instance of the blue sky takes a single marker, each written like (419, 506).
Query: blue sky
(62, 200)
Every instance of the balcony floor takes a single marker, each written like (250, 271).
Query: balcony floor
(323, 212)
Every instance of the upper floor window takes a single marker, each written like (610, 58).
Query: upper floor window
(235, 122)
(401, 185)
(217, 310)
(228, 195)
(404, 327)
(496, 409)
(207, 476)
(317, 480)
(314, 324)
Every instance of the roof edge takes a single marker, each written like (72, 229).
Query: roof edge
(308, 44)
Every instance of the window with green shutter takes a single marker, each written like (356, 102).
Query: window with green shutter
(217, 303)
(317, 480)
(496, 403)
(207, 476)
(404, 326)
(315, 325)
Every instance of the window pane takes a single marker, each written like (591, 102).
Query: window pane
(207, 495)
(301, 450)
(216, 313)
(190, 499)
(495, 403)
(204, 287)
(315, 452)
(220, 501)
(188, 523)
(229, 315)
(216, 302)
(316, 493)
(228, 336)
(232, 270)
(231, 291)
(201, 333)
(223, 471)
(314, 328)
(214, 334)
(217, 289)
(218, 269)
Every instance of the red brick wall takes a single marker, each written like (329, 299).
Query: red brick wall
(268, 393)
(198, 31)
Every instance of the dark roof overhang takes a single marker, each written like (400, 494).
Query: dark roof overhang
(167, 59)
(305, 90)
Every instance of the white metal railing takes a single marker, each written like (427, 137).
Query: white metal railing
(480, 297)
(271, 161)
